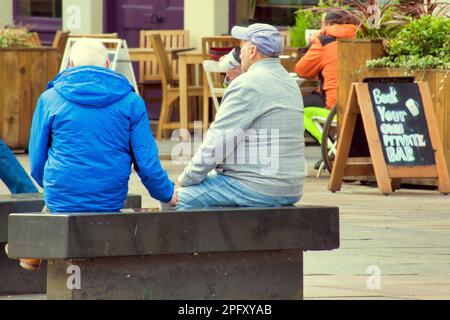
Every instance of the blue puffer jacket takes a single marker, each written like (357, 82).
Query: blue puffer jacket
(88, 128)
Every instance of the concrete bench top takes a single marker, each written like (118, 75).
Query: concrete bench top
(79, 236)
(34, 202)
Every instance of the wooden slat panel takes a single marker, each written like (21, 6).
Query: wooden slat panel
(446, 137)
(286, 38)
(344, 142)
(352, 170)
(373, 139)
(172, 39)
(442, 170)
(44, 67)
(352, 57)
(412, 172)
(356, 160)
(52, 65)
(9, 99)
(24, 77)
(30, 61)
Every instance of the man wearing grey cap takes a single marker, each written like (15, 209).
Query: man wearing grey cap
(253, 154)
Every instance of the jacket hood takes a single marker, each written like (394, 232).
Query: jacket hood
(340, 30)
(92, 87)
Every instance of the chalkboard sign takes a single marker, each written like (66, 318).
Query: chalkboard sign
(401, 133)
(402, 124)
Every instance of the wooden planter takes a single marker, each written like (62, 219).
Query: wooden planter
(24, 74)
(352, 57)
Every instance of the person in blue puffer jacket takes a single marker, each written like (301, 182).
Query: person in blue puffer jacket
(89, 127)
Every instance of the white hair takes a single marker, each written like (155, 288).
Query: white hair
(88, 52)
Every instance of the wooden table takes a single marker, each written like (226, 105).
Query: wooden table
(142, 55)
(136, 54)
(184, 60)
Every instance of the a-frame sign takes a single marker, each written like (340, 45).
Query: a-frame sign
(402, 136)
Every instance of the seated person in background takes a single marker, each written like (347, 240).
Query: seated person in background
(321, 59)
(13, 174)
(255, 147)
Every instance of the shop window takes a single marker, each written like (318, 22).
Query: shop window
(275, 12)
(40, 8)
(278, 12)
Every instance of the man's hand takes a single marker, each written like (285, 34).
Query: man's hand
(174, 201)
(234, 73)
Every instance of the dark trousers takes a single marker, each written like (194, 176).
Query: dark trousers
(314, 100)
(13, 174)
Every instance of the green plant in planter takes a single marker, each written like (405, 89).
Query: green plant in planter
(304, 20)
(15, 38)
(423, 44)
(311, 19)
(418, 8)
(377, 19)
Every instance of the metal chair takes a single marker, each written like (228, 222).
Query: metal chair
(211, 68)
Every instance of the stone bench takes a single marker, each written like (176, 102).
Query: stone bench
(13, 279)
(238, 253)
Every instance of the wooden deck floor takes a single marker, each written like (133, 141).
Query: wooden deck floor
(405, 237)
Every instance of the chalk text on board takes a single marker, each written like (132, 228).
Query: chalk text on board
(387, 98)
(398, 144)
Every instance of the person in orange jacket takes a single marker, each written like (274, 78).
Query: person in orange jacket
(321, 59)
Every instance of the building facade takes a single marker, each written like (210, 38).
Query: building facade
(127, 17)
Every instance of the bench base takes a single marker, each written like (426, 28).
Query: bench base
(256, 275)
(15, 281)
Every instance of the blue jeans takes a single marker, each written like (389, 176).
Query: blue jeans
(13, 174)
(223, 191)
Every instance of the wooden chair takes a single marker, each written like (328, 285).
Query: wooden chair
(207, 44)
(149, 71)
(96, 36)
(170, 89)
(172, 39)
(286, 38)
(60, 42)
(35, 40)
(289, 58)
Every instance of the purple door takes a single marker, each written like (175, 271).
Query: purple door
(128, 17)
